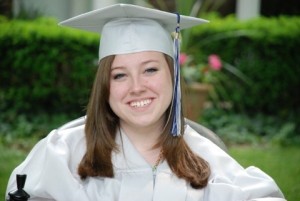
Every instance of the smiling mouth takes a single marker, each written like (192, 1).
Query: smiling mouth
(142, 103)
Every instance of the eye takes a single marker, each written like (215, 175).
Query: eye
(151, 70)
(118, 76)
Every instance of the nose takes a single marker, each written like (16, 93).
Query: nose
(137, 85)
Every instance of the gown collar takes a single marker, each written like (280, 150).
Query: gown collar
(137, 175)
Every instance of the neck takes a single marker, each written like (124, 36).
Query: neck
(145, 140)
(142, 139)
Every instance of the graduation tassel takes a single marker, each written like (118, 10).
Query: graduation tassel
(176, 103)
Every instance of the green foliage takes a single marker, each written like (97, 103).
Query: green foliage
(21, 130)
(10, 158)
(265, 50)
(45, 68)
(236, 128)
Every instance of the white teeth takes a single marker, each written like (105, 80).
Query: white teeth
(140, 103)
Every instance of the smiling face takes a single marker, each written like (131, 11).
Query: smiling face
(140, 89)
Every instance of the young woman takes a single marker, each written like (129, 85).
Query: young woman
(134, 144)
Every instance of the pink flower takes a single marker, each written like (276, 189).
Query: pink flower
(183, 58)
(215, 62)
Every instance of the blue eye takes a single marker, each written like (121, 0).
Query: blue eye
(118, 76)
(151, 70)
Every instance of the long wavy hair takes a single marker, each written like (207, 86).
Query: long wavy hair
(101, 128)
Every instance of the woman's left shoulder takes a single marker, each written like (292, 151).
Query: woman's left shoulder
(199, 143)
(227, 175)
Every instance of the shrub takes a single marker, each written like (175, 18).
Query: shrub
(45, 68)
(240, 128)
(266, 50)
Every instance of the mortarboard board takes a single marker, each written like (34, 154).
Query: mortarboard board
(126, 28)
(119, 23)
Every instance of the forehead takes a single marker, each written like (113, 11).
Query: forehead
(138, 58)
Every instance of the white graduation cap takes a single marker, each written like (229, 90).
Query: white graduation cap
(126, 28)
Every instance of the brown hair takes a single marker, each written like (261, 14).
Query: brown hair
(100, 130)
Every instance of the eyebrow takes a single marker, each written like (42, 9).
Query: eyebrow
(116, 67)
(150, 60)
(143, 63)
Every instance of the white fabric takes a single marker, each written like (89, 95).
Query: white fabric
(95, 20)
(130, 35)
(126, 28)
(51, 169)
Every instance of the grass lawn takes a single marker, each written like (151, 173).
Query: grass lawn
(9, 158)
(283, 164)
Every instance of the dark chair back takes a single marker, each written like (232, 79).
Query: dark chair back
(205, 132)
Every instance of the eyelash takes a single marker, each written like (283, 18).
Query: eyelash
(121, 75)
(118, 76)
(151, 70)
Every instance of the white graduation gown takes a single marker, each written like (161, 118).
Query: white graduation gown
(51, 169)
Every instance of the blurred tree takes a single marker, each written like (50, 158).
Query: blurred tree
(279, 7)
(166, 5)
(226, 7)
(194, 7)
(6, 8)
(187, 7)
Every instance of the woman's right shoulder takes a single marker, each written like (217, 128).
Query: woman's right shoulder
(71, 138)
(59, 153)
(71, 133)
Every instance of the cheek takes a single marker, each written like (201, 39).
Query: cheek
(116, 92)
(164, 85)
(169, 91)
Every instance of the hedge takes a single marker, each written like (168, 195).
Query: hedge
(46, 68)
(266, 50)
